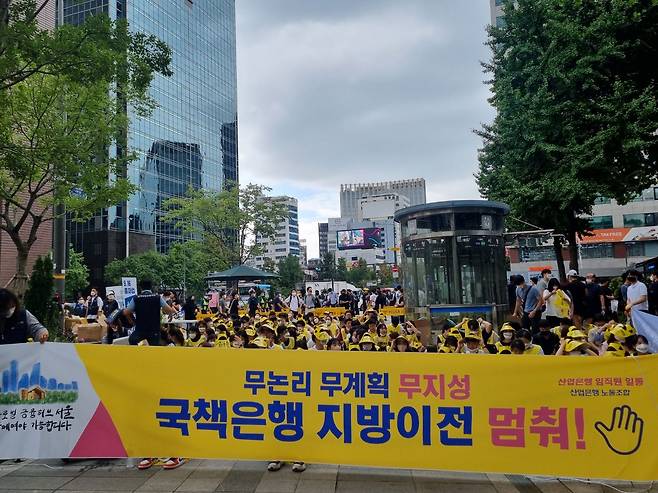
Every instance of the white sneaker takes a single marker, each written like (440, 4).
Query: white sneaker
(299, 467)
(275, 465)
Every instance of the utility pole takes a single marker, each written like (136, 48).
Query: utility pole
(59, 249)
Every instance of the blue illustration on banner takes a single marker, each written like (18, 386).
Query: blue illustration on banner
(33, 387)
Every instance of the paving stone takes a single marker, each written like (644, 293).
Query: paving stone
(39, 470)
(349, 473)
(316, 485)
(162, 482)
(320, 472)
(199, 484)
(241, 480)
(377, 486)
(449, 476)
(104, 484)
(451, 487)
(33, 482)
(270, 484)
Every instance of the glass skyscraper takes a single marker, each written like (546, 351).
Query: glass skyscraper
(189, 141)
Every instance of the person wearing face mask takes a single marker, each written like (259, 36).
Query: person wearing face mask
(78, 309)
(111, 304)
(94, 305)
(473, 342)
(367, 343)
(636, 294)
(506, 337)
(642, 346)
(17, 325)
(294, 302)
(529, 347)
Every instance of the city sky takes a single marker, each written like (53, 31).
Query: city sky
(360, 91)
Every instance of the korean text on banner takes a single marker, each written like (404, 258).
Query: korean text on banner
(129, 289)
(587, 417)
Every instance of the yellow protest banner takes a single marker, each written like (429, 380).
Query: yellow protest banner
(392, 311)
(334, 311)
(588, 417)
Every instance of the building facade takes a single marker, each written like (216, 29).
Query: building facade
(190, 139)
(303, 253)
(351, 194)
(621, 236)
(286, 240)
(380, 207)
(323, 228)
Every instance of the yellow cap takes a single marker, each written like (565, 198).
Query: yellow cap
(260, 342)
(354, 347)
(574, 345)
(366, 339)
(507, 327)
(575, 333)
(619, 331)
(321, 335)
(473, 334)
(455, 333)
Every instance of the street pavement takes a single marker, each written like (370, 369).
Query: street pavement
(229, 476)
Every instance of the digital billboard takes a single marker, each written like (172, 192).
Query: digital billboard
(363, 238)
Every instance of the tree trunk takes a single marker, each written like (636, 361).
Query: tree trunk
(559, 258)
(573, 250)
(18, 283)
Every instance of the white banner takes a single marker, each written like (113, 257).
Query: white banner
(46, 402)
(647, 325)
(129, 289)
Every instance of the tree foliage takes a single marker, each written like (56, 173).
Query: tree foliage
(575, 87)
(39, 296)
(228, 220)
(360, 274)
(341, 269)
(63, 94)
(290, 274)
(77, 275)
(184, 268)
(327, 268)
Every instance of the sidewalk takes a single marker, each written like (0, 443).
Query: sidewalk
(228, 476)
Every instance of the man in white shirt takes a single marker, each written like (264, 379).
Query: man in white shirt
(636, 294)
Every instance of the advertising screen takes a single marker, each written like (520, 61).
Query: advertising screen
(365, 238)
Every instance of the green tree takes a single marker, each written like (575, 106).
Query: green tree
(77, 275)
(39, 296)
(575, 87)
(269, 265)
(327, 268)
(290, 274)
(149, 265)
(188, 265)
(341, 269)
(360, 274)
(385, 275)
(59, 117)
(229, 220)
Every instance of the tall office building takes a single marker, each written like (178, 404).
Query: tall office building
(190, 139)
(286, 240)
(351, 194)
(323, 228)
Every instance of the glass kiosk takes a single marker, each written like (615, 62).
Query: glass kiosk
(453, 260)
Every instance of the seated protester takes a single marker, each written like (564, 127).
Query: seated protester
(194, 336)
(175, 337)
(222, 341)
(320, 338)
(530, 348)
(507, 334)
(642, 346)
(372, 327)
(473, 342)
(236, 341)
(334, 345)
(258, 343)
(431, 349)
(574, 348)
(266, 331)
(382, 340)
(394, 326)
(366, 343)
(621, 341)
(450, 345)
(411, 332)
(546, 339)
(562, 329)
(489, 336)
(517, 347)
(400, 345)
(596, 331)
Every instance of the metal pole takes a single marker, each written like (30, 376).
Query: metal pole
(127, 229)
(59, 250)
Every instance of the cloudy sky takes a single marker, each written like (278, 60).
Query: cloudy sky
(347, 91)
